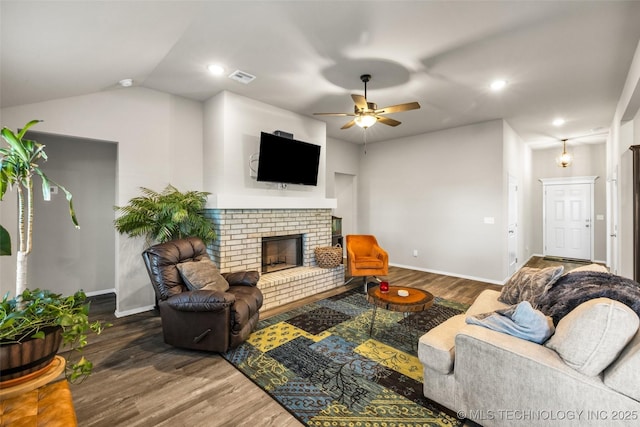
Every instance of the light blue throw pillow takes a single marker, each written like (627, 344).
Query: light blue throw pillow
(520, 320)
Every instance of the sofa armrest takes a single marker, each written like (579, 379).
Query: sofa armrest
(497, 373)
(436, 348)
(242, 278)
(201, 301)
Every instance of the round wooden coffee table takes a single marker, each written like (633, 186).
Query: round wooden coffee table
(416, 300)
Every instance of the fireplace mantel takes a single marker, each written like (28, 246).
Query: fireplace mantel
(231, 201)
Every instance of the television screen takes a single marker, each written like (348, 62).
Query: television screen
(286, 160)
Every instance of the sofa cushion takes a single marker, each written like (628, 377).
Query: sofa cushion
(521, 321)
(592, 336)
(485, 302)
(623, 374)
(591, 267)
(436, 348)
(368, 262)
(529, 284)
(202, 275)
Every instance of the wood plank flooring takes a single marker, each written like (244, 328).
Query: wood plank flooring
(139, 380)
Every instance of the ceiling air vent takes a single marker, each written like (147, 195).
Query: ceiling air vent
(241, 76)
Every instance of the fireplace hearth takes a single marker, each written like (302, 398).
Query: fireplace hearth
(281, 252)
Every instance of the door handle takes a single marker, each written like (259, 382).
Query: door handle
(587, 225)
(613, 235)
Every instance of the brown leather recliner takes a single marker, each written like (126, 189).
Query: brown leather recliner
(202, 319)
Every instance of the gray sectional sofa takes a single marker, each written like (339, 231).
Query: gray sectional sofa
(587, 373)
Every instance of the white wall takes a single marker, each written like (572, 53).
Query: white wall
(76, 259)
(517, 163)
(623, 135)
(588, 160)
(159, 140)
(232, 134)
(342, 157)
(432, 193)
(342, 181)
(625, 191)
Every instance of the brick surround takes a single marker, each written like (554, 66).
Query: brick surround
(239, 247)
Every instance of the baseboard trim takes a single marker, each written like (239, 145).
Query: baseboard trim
(447, 273)
(138, 310)
(102, 292)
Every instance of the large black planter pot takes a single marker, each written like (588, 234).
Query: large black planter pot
(17, 360)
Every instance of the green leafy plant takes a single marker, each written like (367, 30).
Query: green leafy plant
(19, 164)
(29, 314)
(5, 242)
(164, 216)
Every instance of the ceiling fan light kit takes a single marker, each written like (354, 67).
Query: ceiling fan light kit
(365, 120)
(366, 114)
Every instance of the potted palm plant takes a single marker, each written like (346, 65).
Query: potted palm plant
(166, 215)
(33, 324)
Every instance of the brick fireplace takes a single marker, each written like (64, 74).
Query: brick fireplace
(239, 247)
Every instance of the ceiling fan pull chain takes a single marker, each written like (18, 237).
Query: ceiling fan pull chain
(364, 137)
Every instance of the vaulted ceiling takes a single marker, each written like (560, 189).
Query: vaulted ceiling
(560, 58)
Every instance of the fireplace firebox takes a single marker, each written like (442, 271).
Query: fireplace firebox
(281, 252)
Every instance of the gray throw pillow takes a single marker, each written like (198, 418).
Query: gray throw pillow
(202, 275)
(529, 284)
(592, 336)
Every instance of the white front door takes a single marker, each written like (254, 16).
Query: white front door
(568, 222)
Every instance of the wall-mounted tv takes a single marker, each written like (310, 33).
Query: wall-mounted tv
(288, 161)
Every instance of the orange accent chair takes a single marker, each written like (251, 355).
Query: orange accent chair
(366, 258)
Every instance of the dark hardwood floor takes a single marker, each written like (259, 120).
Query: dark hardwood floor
(139, 380)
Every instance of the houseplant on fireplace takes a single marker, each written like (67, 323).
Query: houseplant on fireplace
(33, 324)
(166, 215)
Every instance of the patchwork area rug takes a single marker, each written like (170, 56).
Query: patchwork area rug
(319, 362)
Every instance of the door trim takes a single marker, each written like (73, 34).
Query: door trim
(568, 181)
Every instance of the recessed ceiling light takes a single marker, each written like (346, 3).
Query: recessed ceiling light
(126, 82)
(558, 122)
(216, 69)
(498, 85)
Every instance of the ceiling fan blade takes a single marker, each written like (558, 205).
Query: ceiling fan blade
(334, 114)
(388, 121)
(348, 125)
(398, 108)
(360, 101)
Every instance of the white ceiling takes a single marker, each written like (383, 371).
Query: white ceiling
(561, 58)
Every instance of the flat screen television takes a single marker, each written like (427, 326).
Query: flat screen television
(287, 161)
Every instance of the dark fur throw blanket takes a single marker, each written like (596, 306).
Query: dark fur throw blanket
(573, 289)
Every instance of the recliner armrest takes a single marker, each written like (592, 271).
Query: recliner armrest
(201, 301)
(242, 278)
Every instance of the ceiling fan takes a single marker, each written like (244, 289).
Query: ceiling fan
(366, 113)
